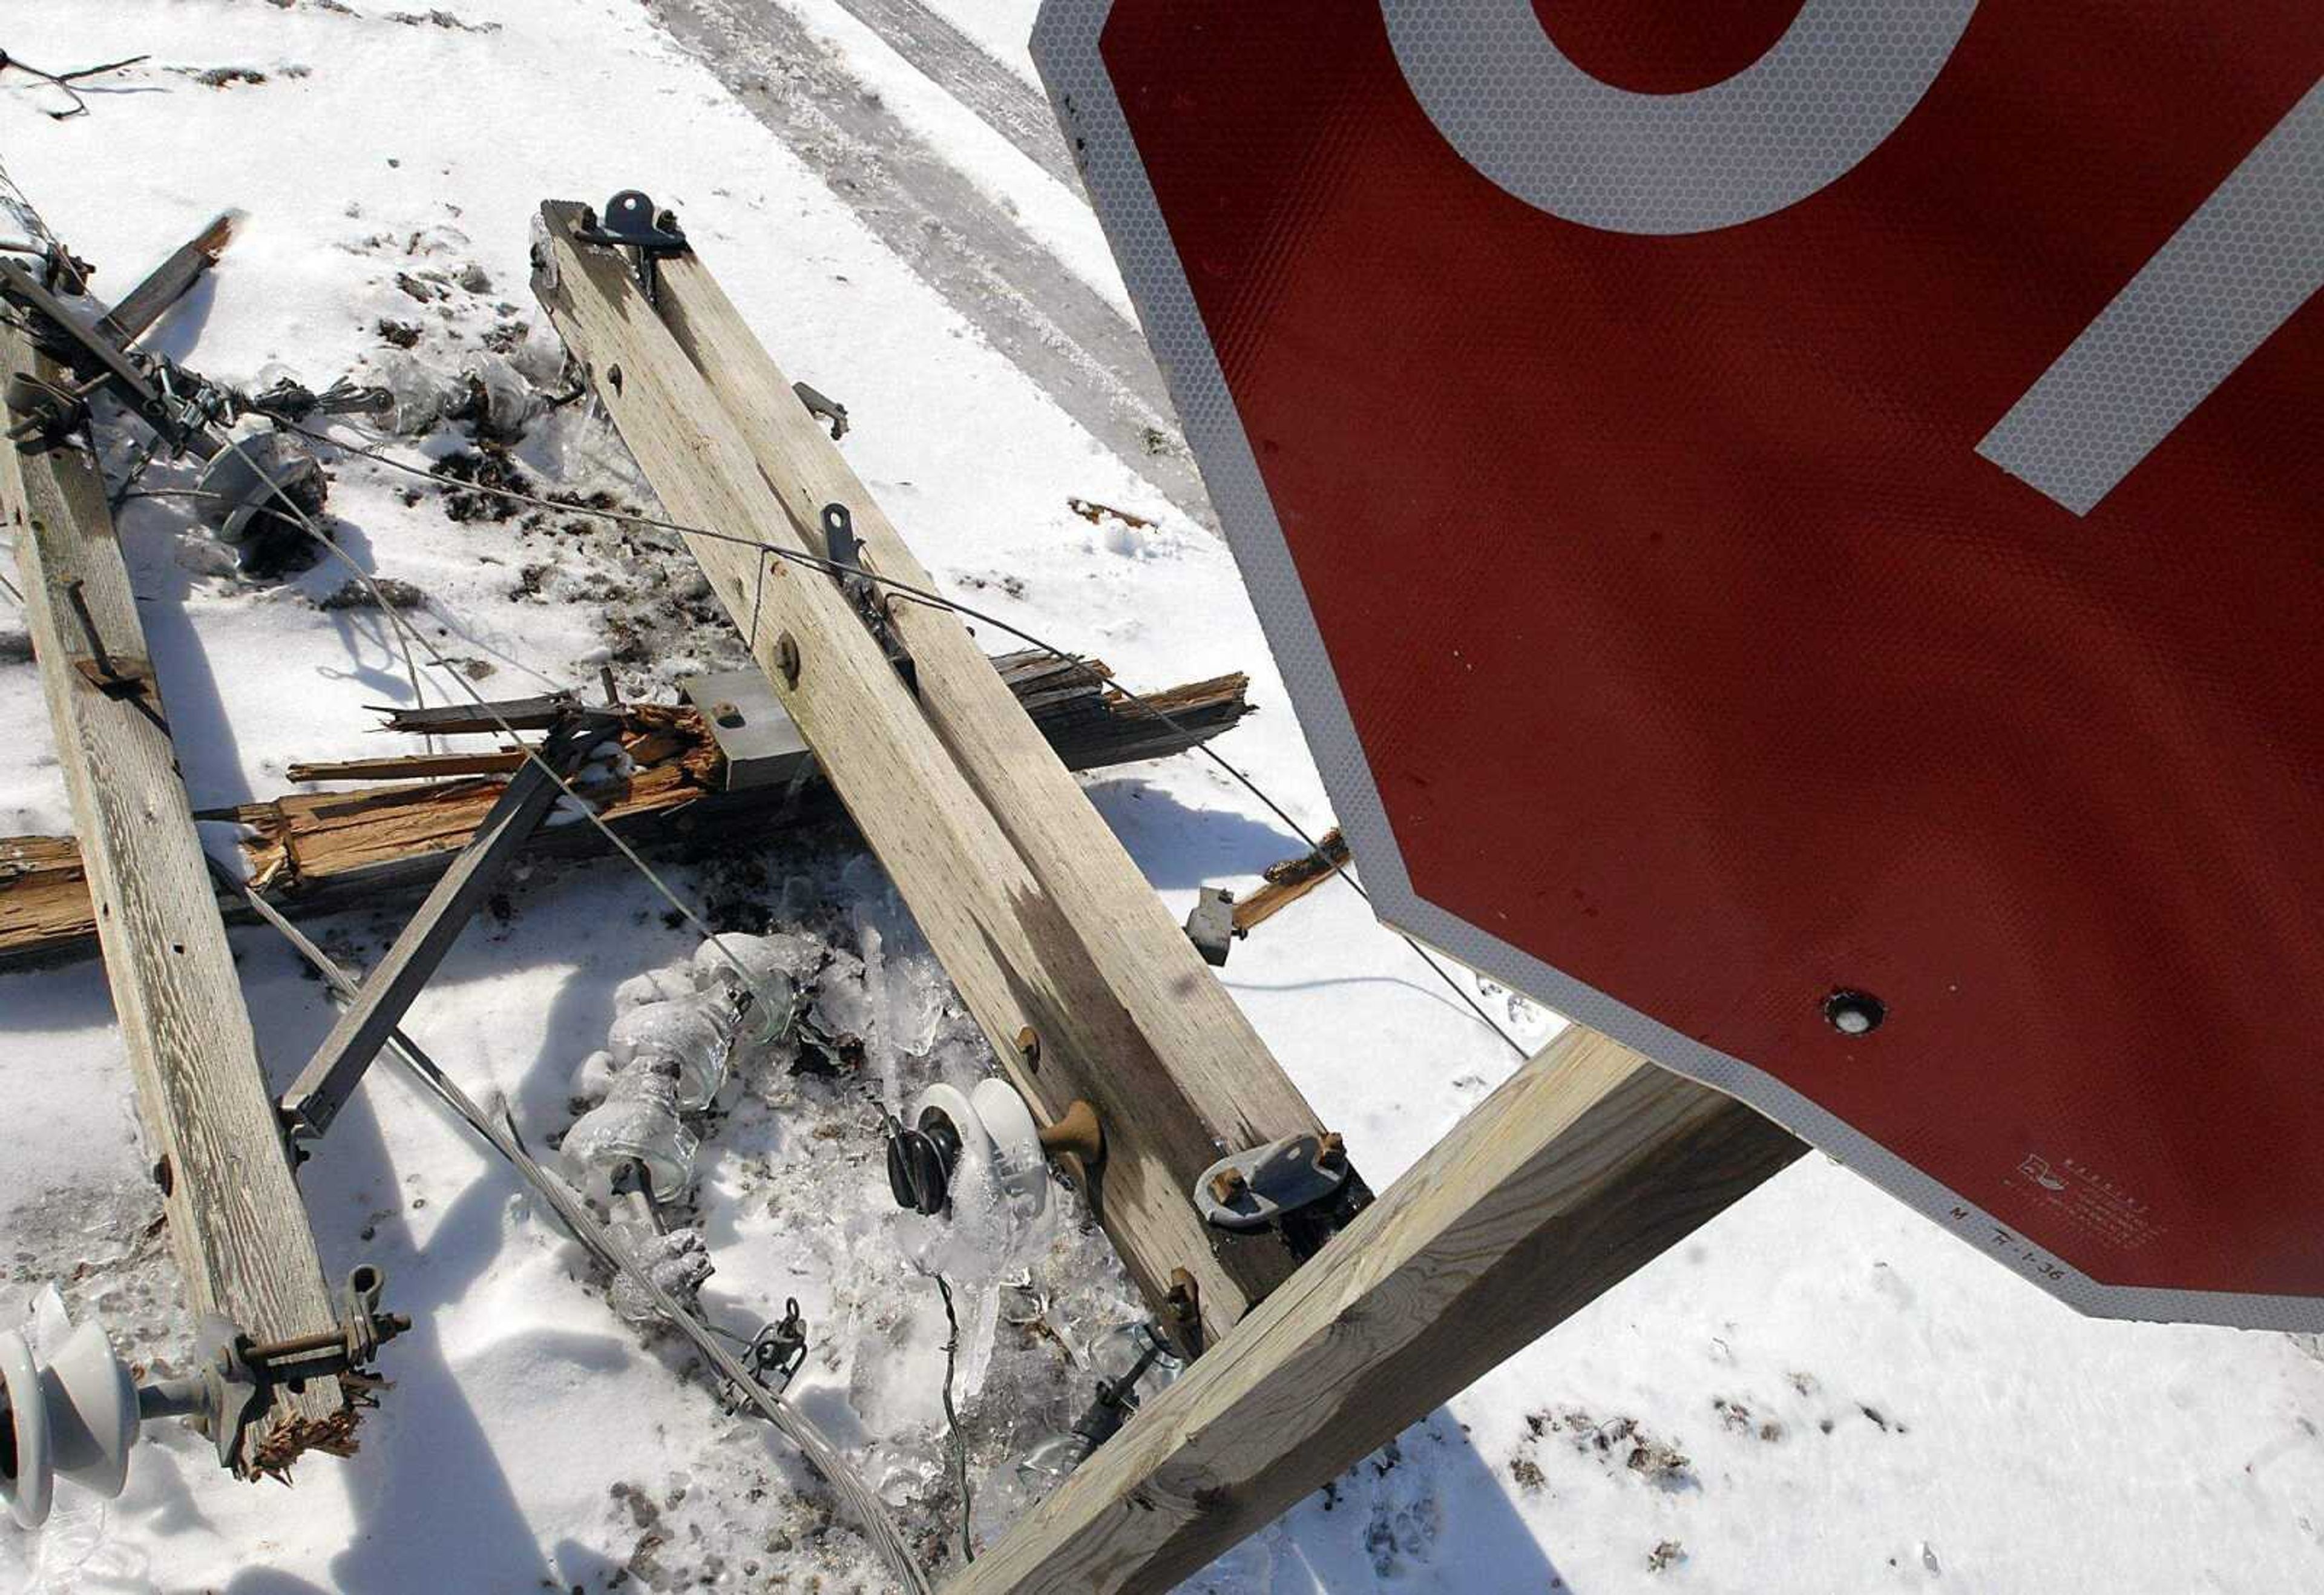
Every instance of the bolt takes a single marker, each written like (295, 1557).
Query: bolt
(1331, 1151)
(1028, 1047)
(1227, 1185)
(787, 658)
(726, 714)
(1181, 1313)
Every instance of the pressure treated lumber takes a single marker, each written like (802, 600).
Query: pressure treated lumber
(1584, 1166)
(235, 1220)
(1040, 919)
(383, 846)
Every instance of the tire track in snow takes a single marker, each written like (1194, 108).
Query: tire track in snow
(1053, 326)
(958, 65)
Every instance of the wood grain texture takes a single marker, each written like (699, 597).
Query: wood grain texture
(235, 1220)
(1292, 879)
(1164, 1020)
(956, 791)
(1585, 1165)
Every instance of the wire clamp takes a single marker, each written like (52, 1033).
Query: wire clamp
(46, 414)
(777, 1353)
(1301, 1185)
(632, 223)
(844, 550)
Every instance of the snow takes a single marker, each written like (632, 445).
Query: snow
(1859, 1402)
(1055, 215)
(1003, 28)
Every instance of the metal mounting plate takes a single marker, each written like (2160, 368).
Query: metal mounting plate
(761, 745)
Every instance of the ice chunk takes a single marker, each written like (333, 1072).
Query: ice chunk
(1134, 1355)
(656, 985)
(1018, 1486)
(912, 994)
(768, 970)
(636, 1123)
(539, 357)
(786, 954)
(593, 1077)
(501, 399)
(842, 1007)
(678, 1262)
(418, 394)
(695, 1032)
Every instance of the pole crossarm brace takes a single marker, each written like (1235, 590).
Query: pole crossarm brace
(367, 1022)
(236, 1224)
(1058, 946)
(1583, 1165)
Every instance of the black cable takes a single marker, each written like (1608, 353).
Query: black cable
(65, 80)
(952, 1418)
(939, 601)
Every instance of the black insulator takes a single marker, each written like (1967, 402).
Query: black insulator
(920, 1162)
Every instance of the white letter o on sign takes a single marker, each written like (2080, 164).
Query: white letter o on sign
(1844, 77)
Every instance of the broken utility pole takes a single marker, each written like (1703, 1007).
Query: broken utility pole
(235, 1220)
(1057, 943)
(1581, 1169)
(385, 845)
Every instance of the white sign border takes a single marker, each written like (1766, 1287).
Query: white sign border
(1065, 50)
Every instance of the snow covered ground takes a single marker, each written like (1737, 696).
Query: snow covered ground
(1817, 1392)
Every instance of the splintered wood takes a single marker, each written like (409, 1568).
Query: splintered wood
(236, 1223)
(380, 843)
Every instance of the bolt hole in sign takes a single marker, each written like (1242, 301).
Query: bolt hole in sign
(1797, 535)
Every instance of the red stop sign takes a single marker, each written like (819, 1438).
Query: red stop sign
(1797, 536)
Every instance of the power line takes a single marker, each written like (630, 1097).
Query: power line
(952, 1418)
(410, 633)
(879, 1527)
(939, 601)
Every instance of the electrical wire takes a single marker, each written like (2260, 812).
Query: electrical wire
(409, 633)
(939, 601)
(952, 1418)
(65, 80)
(880, 1530)
(879, 1527)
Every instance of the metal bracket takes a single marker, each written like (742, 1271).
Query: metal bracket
(1254, 1189)
(116, 675)
(842, 548)
(364, 1025)
(186, 410)
(755, 734)
(1210, 926)
(48, 414)
(829, 410)
(1181, 1313)
(150, 389)
(632, 223)
(238, 1377)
